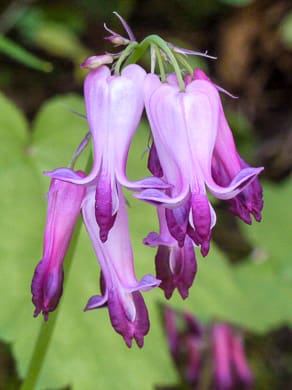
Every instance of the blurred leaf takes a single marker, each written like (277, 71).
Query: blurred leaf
(242, 131)
(238, 3)
(19, 54)
(286, 30)
(59, 40)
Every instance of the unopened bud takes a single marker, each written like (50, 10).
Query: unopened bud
(118, 40)
(94, 62)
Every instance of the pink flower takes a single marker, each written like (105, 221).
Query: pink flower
(64, 204)
(231, 368)
(119, 286)
(226, 163)
(186, 128)
(114, 106)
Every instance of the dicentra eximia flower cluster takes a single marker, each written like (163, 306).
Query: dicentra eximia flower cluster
(193, 151)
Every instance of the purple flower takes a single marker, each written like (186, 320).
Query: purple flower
(231, 368)
(186, 132)
(64, 204)
(119, 286)
(114, 106)
(226, 163)
(175, 266)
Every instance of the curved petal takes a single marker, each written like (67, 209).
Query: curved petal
(244, 178)
(69, 175)
(138, 185)
(154, 239)
(146, 283)
(96, 301)
(159, 198)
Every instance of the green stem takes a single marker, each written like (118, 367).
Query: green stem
(160, 63)
(185, 63)
(138, 52)
(39, 353)
(156, 39)
(128, 50)
(47, 327)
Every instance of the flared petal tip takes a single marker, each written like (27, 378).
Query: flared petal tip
(148, 282)
(95, 302)
(67, 174)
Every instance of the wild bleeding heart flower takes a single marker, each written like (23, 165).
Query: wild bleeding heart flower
(64, 204)
(186, 132)
(175, 266)
(114, 106)
(213, 355)
(227, 163)
(119, 286)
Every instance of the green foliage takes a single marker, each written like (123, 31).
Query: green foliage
(286, 30)
(19, 54)
(85, 352)
(237, 3)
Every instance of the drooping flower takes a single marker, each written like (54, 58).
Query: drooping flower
(119, 286)
(226, 163)
(114, 106)
(185, 128)
(64, 204)
(175, 266)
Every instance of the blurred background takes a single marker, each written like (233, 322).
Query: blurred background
(42, 44)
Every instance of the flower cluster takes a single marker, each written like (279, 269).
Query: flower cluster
(193, 151)
(210, 356)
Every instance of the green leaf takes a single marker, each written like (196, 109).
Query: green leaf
(59, 40)
(19, 54)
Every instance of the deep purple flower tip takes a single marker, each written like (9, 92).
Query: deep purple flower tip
(129, 328)
(176, 265)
